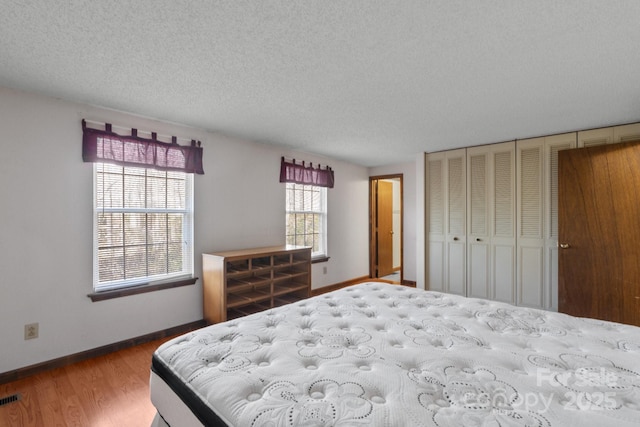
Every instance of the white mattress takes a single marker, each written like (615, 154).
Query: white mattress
(385, 355)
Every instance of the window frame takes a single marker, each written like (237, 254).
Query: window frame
(323, 254)
(137, 285)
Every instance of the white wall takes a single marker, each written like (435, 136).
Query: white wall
(46, 227)
(420, 218)
(408, 171)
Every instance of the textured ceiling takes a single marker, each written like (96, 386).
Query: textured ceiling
(370, 82)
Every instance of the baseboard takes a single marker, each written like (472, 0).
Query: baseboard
(335, 287)
(341, 285)
(27, 371)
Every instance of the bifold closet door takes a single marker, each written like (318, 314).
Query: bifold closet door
(491, 242)
(537, 224)
(478, 222)
(608, 135)
(446, 252)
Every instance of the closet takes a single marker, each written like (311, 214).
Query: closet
(493, 221)
(537, 224)
(446, 254)
(491, 240)
(471, 220)
(492, 216)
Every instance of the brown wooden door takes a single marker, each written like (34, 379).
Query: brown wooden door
(384, 210)
(599, 232)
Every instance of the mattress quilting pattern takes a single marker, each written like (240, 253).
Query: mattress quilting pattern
(384, 355)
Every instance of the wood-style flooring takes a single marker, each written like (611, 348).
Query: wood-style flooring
(107, 391)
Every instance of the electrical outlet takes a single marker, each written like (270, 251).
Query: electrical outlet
(30, 331)
(324, 270)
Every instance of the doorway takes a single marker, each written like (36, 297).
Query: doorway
(385, 228)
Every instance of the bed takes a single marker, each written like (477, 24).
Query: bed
(377, 354)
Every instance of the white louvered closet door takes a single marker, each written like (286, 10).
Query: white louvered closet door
(447, 235)
(537, 210)
(455, 216)
(530, 211)
(553, 144)
(593, 137)
(626, 133)
(478, 222)
(435, 256)
(491, 222)
(609, 135)
(503, 223)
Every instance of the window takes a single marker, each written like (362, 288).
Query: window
(306, 211)
(143, 226)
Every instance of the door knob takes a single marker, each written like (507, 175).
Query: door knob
(478, 239)
(564, 245)
(455, 239)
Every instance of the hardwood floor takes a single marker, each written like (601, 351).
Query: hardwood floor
(111, 390)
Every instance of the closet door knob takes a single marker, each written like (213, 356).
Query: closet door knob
(564, 245)
(478, 239)
(455, 239)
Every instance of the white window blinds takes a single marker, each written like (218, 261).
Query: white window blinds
(143, 226)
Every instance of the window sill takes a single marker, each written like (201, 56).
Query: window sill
(319, 259)
(140, 289)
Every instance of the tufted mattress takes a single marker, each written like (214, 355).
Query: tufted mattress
(384, 355)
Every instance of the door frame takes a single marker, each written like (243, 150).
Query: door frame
(373, 248)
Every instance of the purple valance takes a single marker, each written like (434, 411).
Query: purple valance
(302, 174)
(109, 147)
